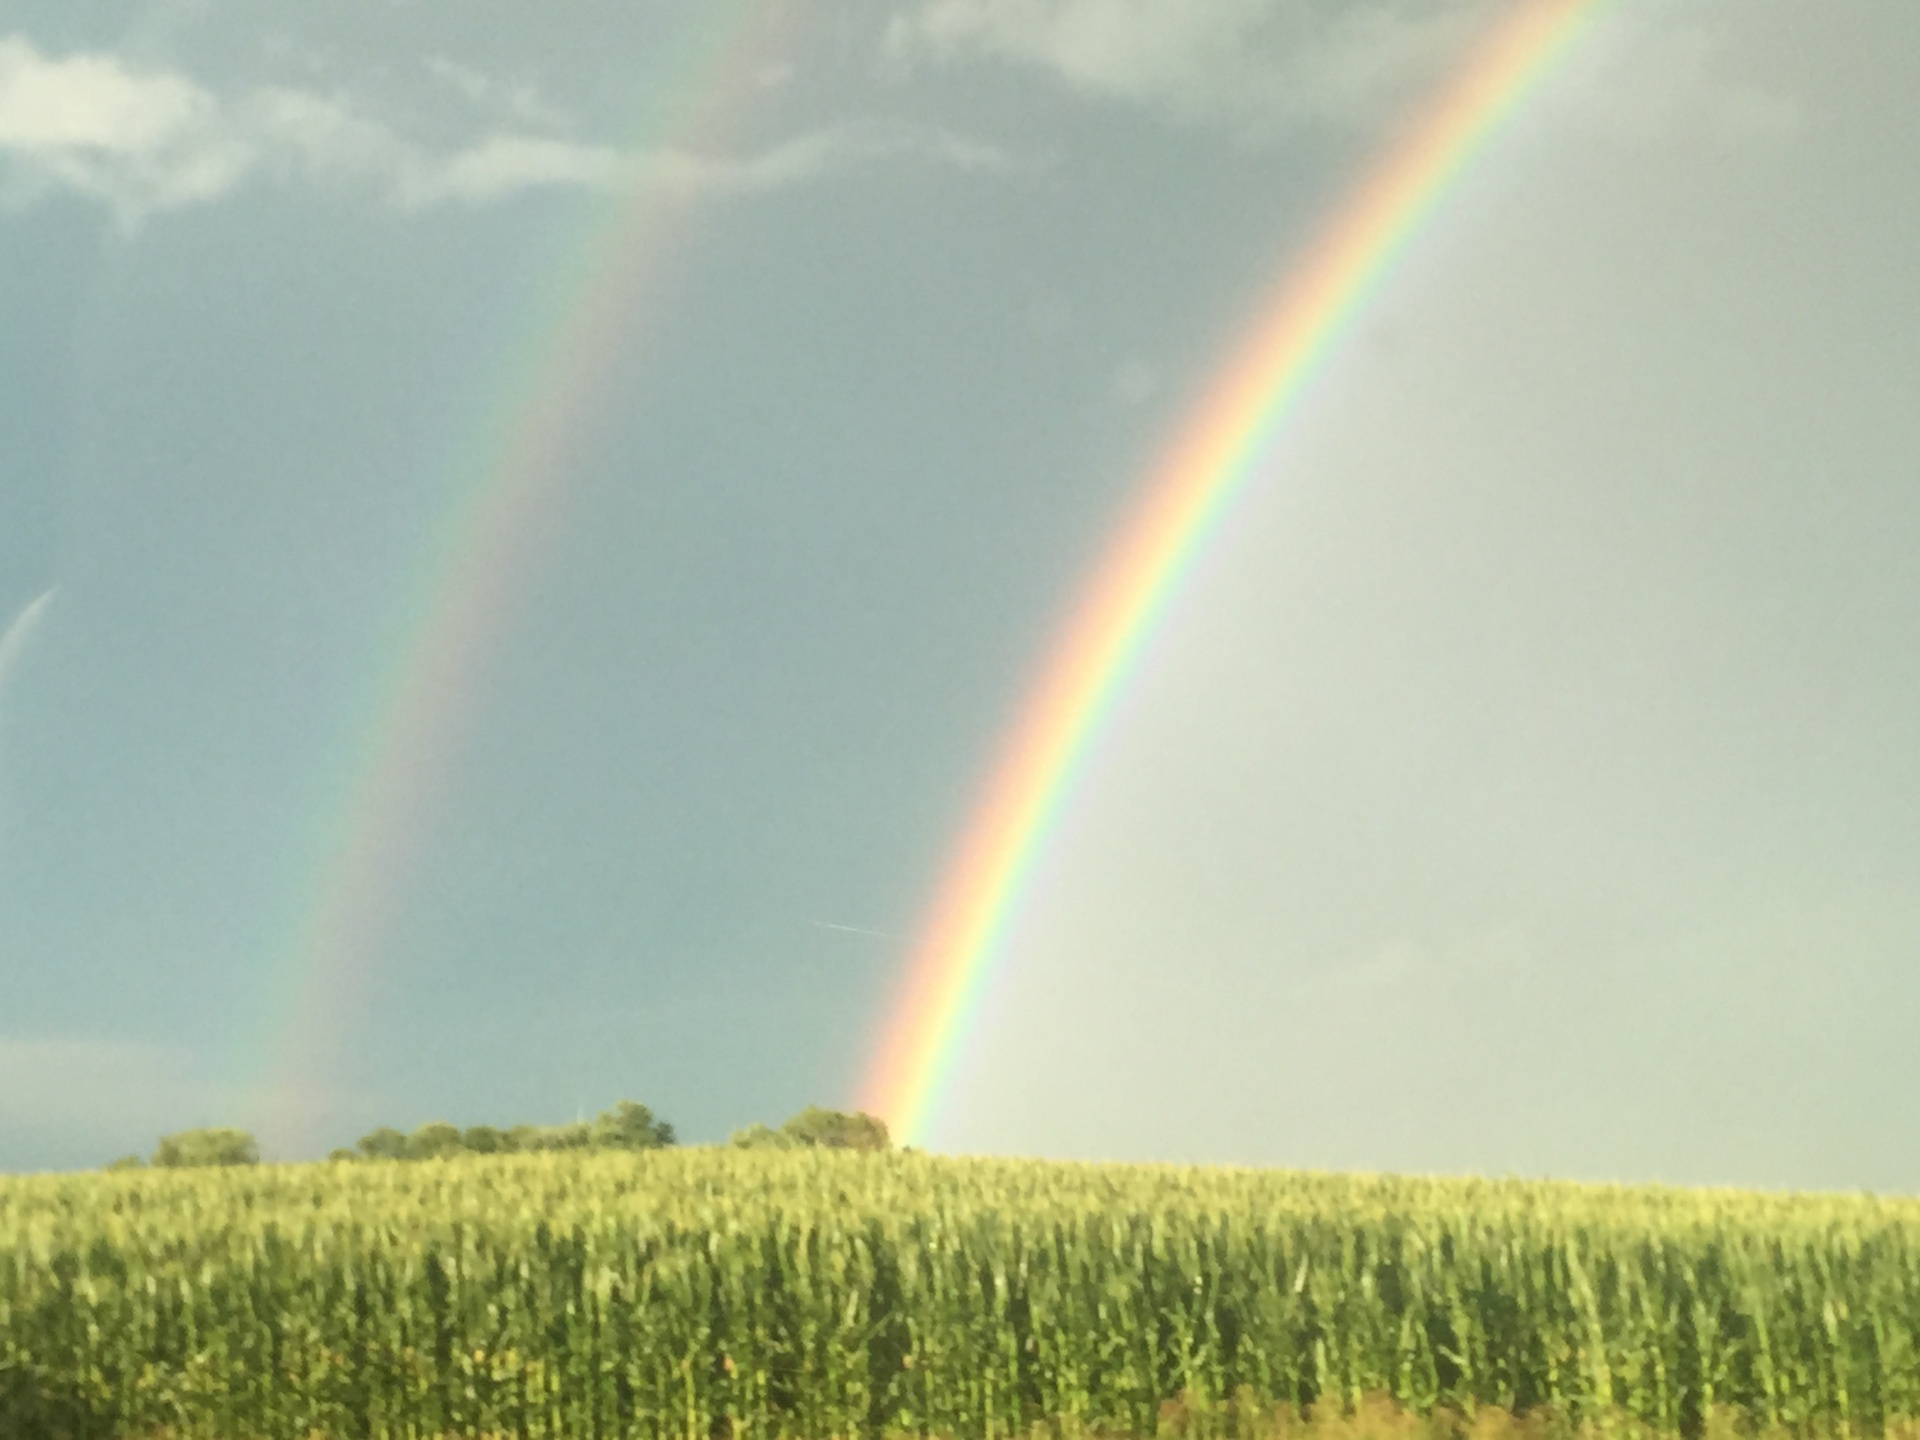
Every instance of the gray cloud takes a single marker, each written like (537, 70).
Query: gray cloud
(1268, 65)
(1250, 62)
(1637, 82)
(478, 88)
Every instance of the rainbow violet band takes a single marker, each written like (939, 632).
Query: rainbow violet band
(1213, 455)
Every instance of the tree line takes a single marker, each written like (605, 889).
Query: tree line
(628, 1125)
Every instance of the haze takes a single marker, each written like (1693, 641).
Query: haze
(1523, 783)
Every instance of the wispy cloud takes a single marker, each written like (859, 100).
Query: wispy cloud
(13, 642)
(1254, 63)
(143, 141)
(502, 164)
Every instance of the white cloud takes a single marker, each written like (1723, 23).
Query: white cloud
(138, 141)
(143, 141)
(1253, 62)
(92, 103)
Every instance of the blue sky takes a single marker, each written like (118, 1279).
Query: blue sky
(1522, 783)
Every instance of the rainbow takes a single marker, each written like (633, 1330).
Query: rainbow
(1211, 459)
(504, 500)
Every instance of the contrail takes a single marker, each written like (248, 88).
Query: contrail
(13, 644)
(855, 930)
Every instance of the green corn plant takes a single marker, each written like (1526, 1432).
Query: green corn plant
(802, 1294)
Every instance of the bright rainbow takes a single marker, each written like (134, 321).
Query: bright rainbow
(1211, 459)
(505, 494)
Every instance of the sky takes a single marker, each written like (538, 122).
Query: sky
(1522, 782)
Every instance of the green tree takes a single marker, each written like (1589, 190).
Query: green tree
(125, 1162)
(630, 1125)
(216, 1146)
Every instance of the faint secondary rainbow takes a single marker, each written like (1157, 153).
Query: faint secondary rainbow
(504, 494)
(1211, 458)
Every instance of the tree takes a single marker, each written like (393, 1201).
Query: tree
(485, 1140)
(576, 1135)
(837, 1130)
(386, 1143)
(433, 1140)
(760, 1137)
(630, 1125)
(217, 1146)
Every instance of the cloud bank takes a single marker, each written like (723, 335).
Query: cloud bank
(142, 141)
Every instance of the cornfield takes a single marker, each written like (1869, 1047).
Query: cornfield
(701, 1293)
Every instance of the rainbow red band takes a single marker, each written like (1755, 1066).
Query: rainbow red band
(1215, 453)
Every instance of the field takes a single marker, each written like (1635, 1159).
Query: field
(696, 1293)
